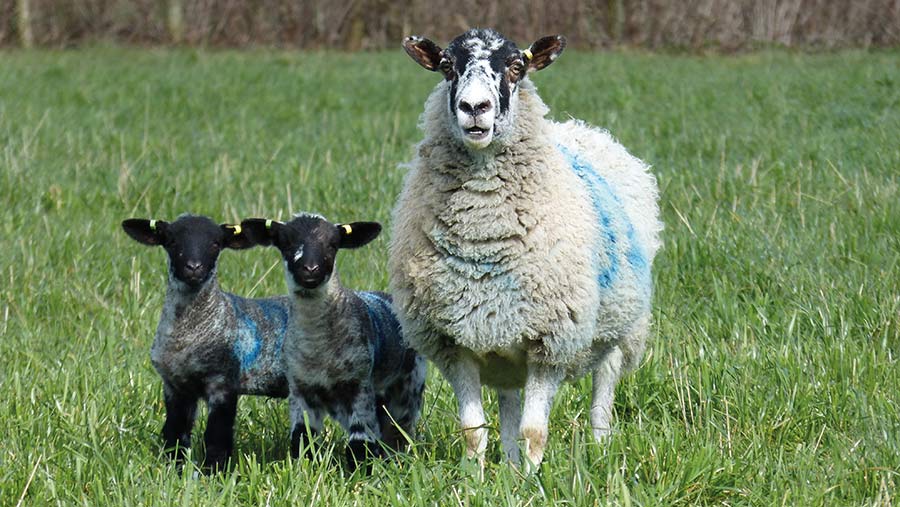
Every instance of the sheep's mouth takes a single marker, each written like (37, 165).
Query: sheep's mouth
(475, 132)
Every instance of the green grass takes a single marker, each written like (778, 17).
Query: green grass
(772, 376)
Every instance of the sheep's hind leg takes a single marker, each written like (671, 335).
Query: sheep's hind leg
(540, 388)
(604, 381)
(465, 379)
(510, 418)
(363, 429)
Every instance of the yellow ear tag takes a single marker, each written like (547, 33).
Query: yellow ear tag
(347, 229)
(268, 224)
(528, 54)
(237, 229)
(153, 225)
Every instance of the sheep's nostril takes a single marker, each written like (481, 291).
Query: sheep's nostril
(482, 107)
(466, 107)
(193, 266)
(311, 269)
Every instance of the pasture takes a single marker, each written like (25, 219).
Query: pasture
(772, 376)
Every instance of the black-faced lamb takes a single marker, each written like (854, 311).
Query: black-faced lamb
(522, 247)
(209, 344)
(344, 352)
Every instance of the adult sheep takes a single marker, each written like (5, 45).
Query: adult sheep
(522, 247)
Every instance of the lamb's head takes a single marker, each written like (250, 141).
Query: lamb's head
(484, 70)
(192, 242)
(309, 245)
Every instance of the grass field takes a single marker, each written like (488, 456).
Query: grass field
(772, 377)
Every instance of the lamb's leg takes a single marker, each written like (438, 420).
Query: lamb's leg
(219, 435)
(510, 418)
(540, 387)
(180, 413)
(363, 428)
(402, 404)
(465, 379)
(604, 383)
(301, 415)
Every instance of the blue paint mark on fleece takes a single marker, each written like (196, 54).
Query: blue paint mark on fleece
(384, 323)
(249, 343)
(609, 209)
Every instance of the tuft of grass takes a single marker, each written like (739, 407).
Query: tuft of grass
(772, 377)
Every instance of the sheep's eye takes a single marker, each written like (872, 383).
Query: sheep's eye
(516, 69)
(446, 66)
(216, 245)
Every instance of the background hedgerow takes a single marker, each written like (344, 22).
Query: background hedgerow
(772, 375)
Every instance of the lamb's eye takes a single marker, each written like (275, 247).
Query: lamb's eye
(446, 66)
(216, 245)
(516, 69)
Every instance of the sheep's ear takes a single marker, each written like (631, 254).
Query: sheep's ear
(261, 231)
(235, 237)
(423, 51)
(147, 232)
(544, 51)
(357, 234)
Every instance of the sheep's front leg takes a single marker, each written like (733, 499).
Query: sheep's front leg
(219, 436)
(362, 427)
(510, 418)
(540, 387)
(301, 415)
(465, 379)
(180, 413)
(604, 381)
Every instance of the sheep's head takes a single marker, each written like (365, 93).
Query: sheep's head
(192, 242)
(309, 245)
(484, 69)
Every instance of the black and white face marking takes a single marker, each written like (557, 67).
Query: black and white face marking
(193, 244)
(484, 69)
(309, 245)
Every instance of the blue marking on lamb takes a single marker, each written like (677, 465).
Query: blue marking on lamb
(248, 343)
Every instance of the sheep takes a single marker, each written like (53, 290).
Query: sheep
(209, 343)
(522, 248)
(344, 351)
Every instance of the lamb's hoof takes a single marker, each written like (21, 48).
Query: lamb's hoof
(602, 435)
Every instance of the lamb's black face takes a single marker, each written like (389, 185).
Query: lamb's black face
(309, 245)
(484, 70)
(193, 244)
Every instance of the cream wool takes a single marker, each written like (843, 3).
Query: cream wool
(523, 263)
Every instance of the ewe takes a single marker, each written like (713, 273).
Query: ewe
(522, 247)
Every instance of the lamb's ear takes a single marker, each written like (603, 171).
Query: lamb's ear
(261, 231)
(357, 234)
(544, 51)
(147, 232)
(423, 51)
(235, 237)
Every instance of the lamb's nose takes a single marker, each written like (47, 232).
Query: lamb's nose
(475, 109)
(311, 269)
(193, 266)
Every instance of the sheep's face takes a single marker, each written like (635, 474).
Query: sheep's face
(309, 245)
(193, 244)
(484, 70)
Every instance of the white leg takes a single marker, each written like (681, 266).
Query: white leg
(465, 379)
(604, 384)
(510, 418)
(540, 387)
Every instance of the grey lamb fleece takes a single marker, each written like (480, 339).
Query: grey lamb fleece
(523, 264)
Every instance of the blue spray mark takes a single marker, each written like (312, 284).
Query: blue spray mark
(608, 207)
(249, 343)
(383, 322)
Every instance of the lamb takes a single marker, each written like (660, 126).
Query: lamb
(210, 344)
(522, 247)
(344, 351)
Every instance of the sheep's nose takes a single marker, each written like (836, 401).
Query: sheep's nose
(310, 268)
(193, 266)
(475, 109)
